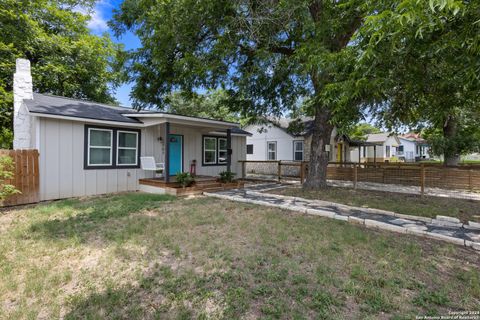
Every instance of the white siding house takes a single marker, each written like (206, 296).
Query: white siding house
(413, 148)
(87, 148)
(273, 141)
(379, 147)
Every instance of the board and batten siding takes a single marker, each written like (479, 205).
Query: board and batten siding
(61, 164)
(61, 147)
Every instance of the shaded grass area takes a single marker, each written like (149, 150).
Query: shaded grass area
(137, 256)
(402, 203)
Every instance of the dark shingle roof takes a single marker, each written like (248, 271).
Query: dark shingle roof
(305, 129)
(236, 130)
(60, 106)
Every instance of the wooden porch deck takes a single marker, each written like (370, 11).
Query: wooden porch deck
(201, 184)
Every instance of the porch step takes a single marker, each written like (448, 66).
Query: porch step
(208, 185)
(213, 189)
(203, 182)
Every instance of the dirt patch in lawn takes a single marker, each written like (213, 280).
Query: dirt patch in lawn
(427, 206)
(140, 256)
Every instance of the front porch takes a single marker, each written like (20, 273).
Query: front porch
(202, 184)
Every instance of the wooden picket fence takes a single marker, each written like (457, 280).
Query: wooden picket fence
(26, 176)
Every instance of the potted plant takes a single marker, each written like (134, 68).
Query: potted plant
(185, 179)
(226, 176)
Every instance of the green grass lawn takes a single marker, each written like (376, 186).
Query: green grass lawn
(138, 256)
(465, 210)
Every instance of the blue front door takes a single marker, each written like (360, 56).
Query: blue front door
(175, 154)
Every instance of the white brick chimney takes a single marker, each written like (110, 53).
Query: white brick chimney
(22, 89)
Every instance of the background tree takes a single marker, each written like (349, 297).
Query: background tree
(361, 131)
(213, 104)
(266, 55)
(66, 59)
(419, 61)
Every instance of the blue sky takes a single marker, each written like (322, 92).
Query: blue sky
(101, 14)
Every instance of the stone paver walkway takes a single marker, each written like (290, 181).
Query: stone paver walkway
(442, 228)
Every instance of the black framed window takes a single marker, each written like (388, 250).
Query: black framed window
(249, 148)
(298, 147)
(214, 151)
(109, 148)
(222, 150)
(127, 148)
(99, 147)
(209, 150)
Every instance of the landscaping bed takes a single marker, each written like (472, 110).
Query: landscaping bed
(142, 256)
(426, 206)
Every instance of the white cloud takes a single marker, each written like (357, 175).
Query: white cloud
(97, 22)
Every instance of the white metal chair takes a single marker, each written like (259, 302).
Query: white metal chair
(149, 164)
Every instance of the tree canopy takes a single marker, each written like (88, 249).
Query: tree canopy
(419, 61)
(67, 60)
(361, 130)
(405, 62)
(213, 104)
(266, 55)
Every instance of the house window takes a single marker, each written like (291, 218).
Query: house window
(108, 148)
(249, 148)
(100, 147)
(387, 151)
(298, 150)
(209, 150)
(127, 148)
(400, 149)
(222, 150)
(215, 151)
(364, 151)
(272, 150)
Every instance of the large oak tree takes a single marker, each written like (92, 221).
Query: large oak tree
(266, 54)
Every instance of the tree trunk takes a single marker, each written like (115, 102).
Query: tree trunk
(317, 166)
(451, 155)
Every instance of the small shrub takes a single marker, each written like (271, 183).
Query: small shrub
(226, 176)
(6, 172)
(185, 179)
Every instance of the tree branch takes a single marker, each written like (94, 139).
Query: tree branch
(315, 10)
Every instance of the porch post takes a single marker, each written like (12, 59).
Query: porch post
(374, 154)
(229, 150)
(167, 152)
(359, 154)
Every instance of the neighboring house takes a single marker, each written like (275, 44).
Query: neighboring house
(413, 148)
(88, 148)
(276, 141)
(378, 147)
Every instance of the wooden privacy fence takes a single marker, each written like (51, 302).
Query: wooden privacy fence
(465, 177)
(26, 176)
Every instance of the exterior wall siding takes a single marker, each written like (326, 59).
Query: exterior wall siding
(61, 147)
(270, 133)
(61, 164)
(285, 144)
